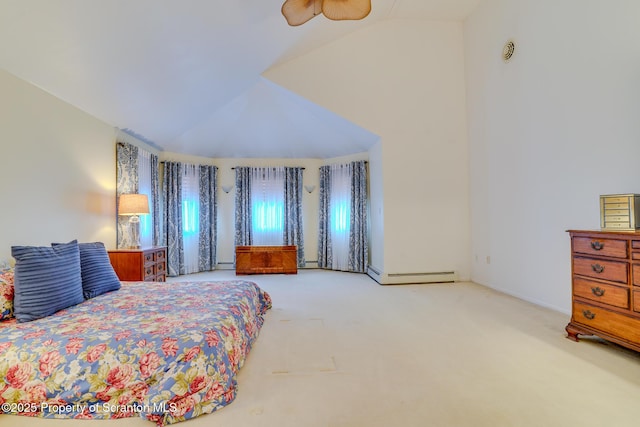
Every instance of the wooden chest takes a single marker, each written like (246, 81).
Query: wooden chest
(605, 268)
(266, 259)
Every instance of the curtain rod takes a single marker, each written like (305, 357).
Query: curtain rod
(233, 168)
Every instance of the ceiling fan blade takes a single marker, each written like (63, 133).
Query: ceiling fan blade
(339, 10)
(297, 12)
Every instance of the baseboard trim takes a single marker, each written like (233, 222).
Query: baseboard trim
(411, 278)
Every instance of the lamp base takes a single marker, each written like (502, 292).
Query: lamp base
(135, 231)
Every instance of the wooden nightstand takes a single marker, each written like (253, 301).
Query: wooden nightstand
(145, 264)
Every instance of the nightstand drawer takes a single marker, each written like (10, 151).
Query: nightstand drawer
(601, 247)
(607, 294)
(601, 269)
(149, 258)
(161, 268)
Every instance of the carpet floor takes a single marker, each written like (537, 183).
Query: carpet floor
(339, 350)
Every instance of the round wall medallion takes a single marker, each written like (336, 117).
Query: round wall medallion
(508, 50)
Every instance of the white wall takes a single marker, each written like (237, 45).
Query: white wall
(404, 81)
(57, 179)
(548, 133)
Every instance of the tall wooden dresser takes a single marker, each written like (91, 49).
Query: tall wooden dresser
(146, 264)
(605, 268)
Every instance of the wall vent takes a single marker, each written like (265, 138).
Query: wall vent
(508, 50)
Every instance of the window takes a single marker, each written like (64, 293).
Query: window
(340, 214)
(190, 217)
(267, 206)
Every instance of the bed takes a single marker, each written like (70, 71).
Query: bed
(165, 352)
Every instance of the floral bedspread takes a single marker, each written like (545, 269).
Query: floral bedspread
(166, 352)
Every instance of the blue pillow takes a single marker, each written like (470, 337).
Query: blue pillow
(46, 280)
(98, 276)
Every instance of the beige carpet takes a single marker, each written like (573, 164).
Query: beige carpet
(339, 350)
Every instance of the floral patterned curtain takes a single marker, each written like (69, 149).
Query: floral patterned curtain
(128, 157)
(356, 258)
(358, 231)
(203, 204)
(325, 253)
(126, 183)
(243, 235)
(293, 230)
(208, 217)
(172, 224)
(155, 200)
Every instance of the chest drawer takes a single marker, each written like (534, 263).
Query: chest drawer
(601, 269)
(603, 247)
(601, 292)
(620, 325)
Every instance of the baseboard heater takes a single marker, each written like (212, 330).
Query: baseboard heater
(226, 266)
(411, 278)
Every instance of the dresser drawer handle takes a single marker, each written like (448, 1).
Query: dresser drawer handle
(597, 268)
(588, 314)
(597, 291)
(597, 246)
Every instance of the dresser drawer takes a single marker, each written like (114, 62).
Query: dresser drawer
(620, 325)
(602, 247)
(601, 269)
(607, 294)
(636, 301)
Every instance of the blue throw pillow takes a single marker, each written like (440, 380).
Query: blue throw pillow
(46, 280)
(98, 276)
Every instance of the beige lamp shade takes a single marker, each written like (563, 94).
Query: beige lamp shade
(133, 204)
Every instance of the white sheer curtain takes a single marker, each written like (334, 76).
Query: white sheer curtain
(340, 215)
(267, 205)
(144, 187)
(190, 217)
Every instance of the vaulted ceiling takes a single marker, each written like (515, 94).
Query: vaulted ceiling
(186, 75)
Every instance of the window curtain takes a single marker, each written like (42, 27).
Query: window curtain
(267, 206)
(243, 235)
(127, 183)
(325, 246)
(208, 217)
(155, 200)
(359, 225)
(293, 230)
(137, 172)
(343, 231)
(172, 218)
(190, 217)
